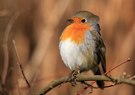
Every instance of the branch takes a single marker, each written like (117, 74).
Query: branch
(81, 78)
(127, 61)
(5, 47)
(19, 63)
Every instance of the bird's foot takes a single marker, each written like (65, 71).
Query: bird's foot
(73, 76)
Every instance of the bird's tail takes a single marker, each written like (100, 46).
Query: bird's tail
(99, 83)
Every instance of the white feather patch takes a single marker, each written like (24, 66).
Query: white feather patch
(81, 55)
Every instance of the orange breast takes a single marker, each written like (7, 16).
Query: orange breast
(75, 32)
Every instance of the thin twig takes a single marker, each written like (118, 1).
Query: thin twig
(81, 78)
(5, 47)
(94, 78)
(19, 63)
(128, 60)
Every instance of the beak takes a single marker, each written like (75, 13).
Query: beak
(70, 20)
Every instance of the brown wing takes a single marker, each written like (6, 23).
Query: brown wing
(101, 54)
(100, 50)
(100, 47)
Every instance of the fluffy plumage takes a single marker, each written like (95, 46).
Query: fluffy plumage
(81, 44)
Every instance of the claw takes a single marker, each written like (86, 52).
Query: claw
(73, 76)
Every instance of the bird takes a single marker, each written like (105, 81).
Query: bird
(81, 45)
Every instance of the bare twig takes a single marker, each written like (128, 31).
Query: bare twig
(20, 65)
(128, 60)
(81, 78)
(5, 47)
(94, 78)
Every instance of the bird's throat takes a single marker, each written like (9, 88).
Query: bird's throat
(75, 32)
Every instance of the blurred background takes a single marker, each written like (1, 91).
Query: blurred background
(36, 26)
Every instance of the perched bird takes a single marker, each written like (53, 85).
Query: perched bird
(81, 45)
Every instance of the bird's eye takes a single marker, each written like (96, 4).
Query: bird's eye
(83, 20)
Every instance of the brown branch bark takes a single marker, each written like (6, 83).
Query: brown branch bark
(19, 63)
(5, 47)
(81, 78)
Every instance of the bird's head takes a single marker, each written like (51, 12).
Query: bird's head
(84, 17)
(80, 23)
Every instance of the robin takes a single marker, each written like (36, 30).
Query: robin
(81, 45)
